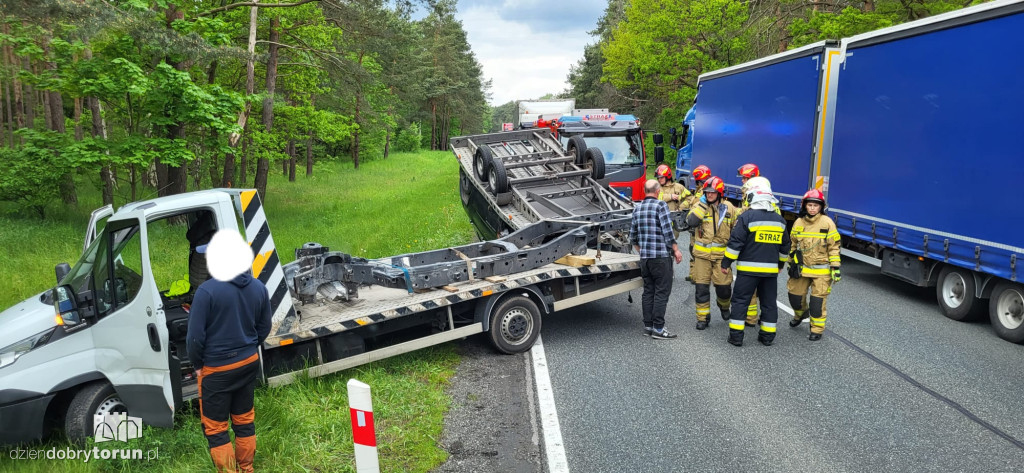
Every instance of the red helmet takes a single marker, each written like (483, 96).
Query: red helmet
(748, 171)
(813, 195)
(663, 171)
(715, 184)
(701, 173)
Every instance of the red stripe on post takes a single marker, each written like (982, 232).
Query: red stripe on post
(362, 428)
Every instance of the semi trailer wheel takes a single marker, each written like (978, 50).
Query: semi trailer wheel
(1006, 311)
(593, 159)
(515, 325)
(956, 294)
(96, 398)
(575, 147)
(497, 179)
(482, 162)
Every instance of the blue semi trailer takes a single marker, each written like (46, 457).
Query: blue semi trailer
(914, 134)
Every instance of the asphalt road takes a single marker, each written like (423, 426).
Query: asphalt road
(893, 386)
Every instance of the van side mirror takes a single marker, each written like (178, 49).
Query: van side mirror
(658, 138)
(62, 271)
(66, 306)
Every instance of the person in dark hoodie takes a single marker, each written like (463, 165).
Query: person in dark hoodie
(229, 319)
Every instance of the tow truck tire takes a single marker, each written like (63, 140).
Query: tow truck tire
(1006, 311)
(497, 181)
(576, 146)
(515, 325)
(593, 159)
(98, 397)
(956, 294)
(482, 162)
(464, 187)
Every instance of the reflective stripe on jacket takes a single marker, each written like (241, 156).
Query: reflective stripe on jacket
(759, 243)
(713, 224)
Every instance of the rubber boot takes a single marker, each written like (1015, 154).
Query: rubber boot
(736, 337)
(797, 302)
(766, 338)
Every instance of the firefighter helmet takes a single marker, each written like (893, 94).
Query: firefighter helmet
(813, 195)
(748, 171)
(715, 184)
(701, 173)
(758, 186)
(663, 171)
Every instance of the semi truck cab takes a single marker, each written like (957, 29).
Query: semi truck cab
(110, 337)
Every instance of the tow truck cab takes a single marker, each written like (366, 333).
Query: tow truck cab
(108, 338)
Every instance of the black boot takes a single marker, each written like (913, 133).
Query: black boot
(814, 337)
(766, 338)
(725, 313)
(702, 324)
(736, 337)
(795, 322)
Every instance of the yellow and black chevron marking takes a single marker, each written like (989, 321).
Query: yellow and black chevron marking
(265, 265)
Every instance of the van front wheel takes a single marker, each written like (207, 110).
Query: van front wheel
(96, 398)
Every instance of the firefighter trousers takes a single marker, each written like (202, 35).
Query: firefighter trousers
(229, 391)
(820, 288)
(743, 292)
(705, 273)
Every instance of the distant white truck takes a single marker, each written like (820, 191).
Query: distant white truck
(529, 111)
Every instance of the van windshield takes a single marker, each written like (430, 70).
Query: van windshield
(120, 247)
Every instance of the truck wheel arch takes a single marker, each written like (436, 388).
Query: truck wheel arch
(483, 308)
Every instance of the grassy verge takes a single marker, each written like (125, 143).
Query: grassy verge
(407, 203)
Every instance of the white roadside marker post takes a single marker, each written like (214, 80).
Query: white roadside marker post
(361, 409)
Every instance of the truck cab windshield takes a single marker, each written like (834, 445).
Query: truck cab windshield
(619, 149)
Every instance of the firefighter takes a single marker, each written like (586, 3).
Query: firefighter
(747, 172)
(672, 192)
(760, 246)
(700, 174)
(712, 220)
(814, 262)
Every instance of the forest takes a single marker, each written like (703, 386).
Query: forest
(143, 98)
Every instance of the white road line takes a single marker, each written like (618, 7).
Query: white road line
(553, 447)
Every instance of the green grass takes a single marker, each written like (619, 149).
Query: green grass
(406, 203)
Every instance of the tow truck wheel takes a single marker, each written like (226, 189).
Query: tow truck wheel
(482, 162)
(497, 181)
(575, 147)
(96, 398)
(593, 159)
(1006, 310)
(956, 294)
(515, 325)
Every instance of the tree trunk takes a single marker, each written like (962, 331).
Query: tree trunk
(99, 130)
(309, 155)
(10, 113)
(869, 6)
(29, 96)
(263, 165)
(291, 161)
(79, 134)
(387, 141)
(433, 124)
(244, 165)
(55, 115)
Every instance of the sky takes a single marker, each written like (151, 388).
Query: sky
(527, 46)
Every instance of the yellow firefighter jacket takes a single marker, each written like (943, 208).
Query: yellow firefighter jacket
(713, 224)
(673, 188)
(816, 244)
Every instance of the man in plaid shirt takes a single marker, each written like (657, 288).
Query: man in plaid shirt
(652, 237)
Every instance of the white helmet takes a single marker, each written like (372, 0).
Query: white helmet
(757, 186)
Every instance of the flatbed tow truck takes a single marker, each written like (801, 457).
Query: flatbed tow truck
(107, 339)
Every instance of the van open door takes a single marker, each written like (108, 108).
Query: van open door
(98, 216)
(130, 329)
